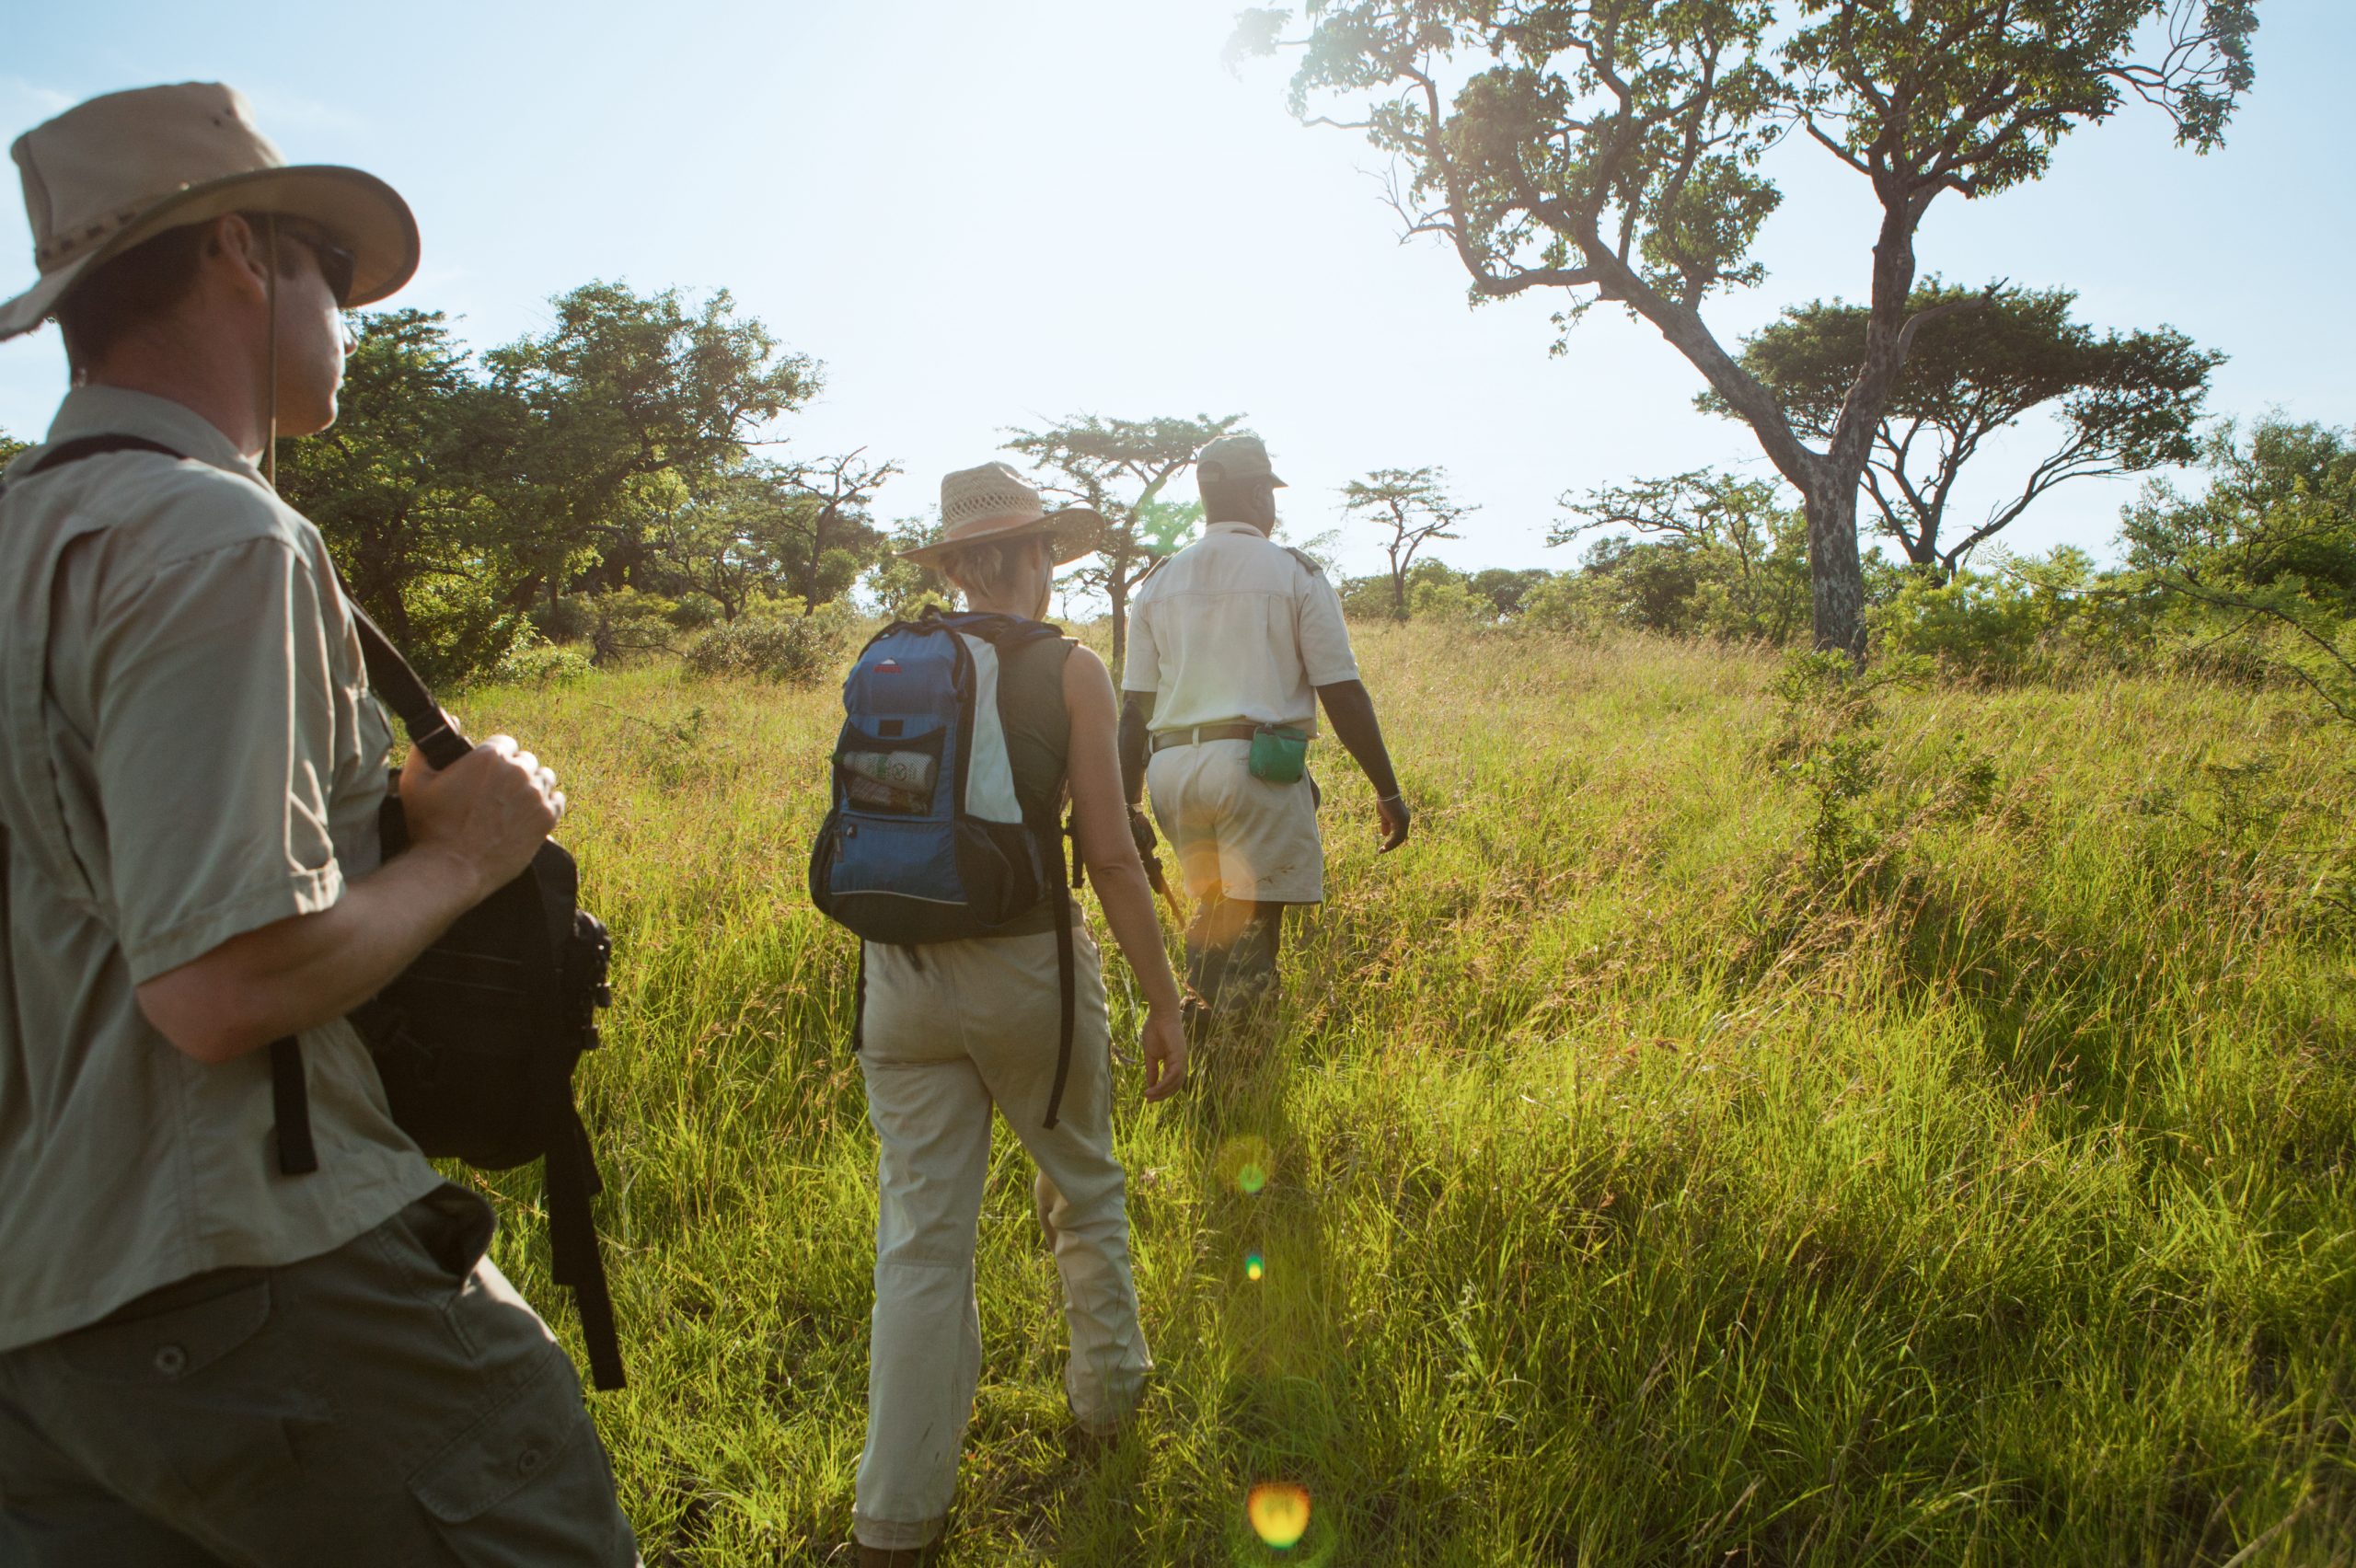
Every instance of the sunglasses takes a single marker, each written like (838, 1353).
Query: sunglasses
(337, 265)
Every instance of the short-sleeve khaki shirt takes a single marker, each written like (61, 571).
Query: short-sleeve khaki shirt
(188, 751)
(1236, 627)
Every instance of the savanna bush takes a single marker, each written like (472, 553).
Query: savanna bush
(533, 660)
(2034, 616)
(796, 650)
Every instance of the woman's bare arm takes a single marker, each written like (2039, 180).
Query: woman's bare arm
(1100, 822)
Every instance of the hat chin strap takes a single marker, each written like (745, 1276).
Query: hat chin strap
(269, 381)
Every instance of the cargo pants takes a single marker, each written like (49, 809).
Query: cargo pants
(950, 1031)
(393, 1402)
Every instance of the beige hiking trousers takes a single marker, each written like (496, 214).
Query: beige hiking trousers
(951, 1030)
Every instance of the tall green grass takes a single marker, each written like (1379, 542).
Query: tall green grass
(1654, 1179)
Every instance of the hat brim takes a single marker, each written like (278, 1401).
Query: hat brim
(365, 215)
(1077, 531)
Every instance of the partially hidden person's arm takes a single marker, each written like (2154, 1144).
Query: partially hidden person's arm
(1136, 744)
(473, 829)
(1349, 708)
(1100, 823)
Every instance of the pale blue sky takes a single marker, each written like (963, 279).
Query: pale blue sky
(982, 215)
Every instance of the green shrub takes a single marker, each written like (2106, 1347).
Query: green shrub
(694, 611)
(1450, 602)
(567, 619)
(797, 650)
(1559, 604)
(2036, 616)
(535, 661)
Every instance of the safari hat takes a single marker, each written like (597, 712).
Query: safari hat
(993, 501)
(119, 169)
(1239, 457)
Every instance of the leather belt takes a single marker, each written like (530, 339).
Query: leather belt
(1238, 731)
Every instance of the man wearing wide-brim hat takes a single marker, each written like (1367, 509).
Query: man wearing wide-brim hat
(204, 1359)
(1234, 644)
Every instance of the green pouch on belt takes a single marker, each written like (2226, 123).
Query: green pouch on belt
(1279, 756)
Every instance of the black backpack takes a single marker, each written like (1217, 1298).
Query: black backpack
(477, 1041)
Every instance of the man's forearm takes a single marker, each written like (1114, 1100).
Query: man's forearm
(1349, 708)
(310, 969)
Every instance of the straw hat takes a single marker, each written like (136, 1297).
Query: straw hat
(119, 169)
(993, 501)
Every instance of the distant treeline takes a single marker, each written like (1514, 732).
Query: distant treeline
(612, 487)
(2251, 576)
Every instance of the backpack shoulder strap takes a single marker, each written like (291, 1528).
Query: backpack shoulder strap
(389, 675)
(83, 446)
(99, 445)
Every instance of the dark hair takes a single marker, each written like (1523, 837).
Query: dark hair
(143, 284)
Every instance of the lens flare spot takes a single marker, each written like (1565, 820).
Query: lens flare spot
(1252, 1267)
(1245, 1164)
(1279, 1513)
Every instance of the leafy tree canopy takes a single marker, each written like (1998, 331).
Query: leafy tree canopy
(2123, 402)
(1612, 149)
(1118, 466)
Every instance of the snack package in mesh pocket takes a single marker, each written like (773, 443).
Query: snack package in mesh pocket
(891, 781)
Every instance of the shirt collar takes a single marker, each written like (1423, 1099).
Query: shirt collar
(115, 410)
(1234, 528)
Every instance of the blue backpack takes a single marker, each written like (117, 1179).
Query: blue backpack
(926, 840)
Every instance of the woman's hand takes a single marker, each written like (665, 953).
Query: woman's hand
(1164, 1039)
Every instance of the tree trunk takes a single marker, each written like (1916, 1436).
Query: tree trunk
(1836, 580)
(1398, 595)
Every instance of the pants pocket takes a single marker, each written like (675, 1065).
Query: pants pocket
(197, 1399)
(430, 1249)
(527, 1483)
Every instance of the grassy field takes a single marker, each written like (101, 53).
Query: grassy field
(1732, 1131)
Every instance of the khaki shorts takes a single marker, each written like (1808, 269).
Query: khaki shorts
(1234, 834)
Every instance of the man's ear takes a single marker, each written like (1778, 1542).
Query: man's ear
(244, 247)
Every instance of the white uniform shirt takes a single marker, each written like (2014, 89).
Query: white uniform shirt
(1233, 627)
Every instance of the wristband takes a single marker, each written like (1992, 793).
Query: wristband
(1386, 799)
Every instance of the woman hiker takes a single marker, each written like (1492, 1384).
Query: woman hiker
(952, 1029)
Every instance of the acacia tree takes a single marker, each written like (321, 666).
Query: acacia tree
(830, 538)
(626, 388)
(1119, 467)
(1413, 504)
(1612, 148)
(2123, 403)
